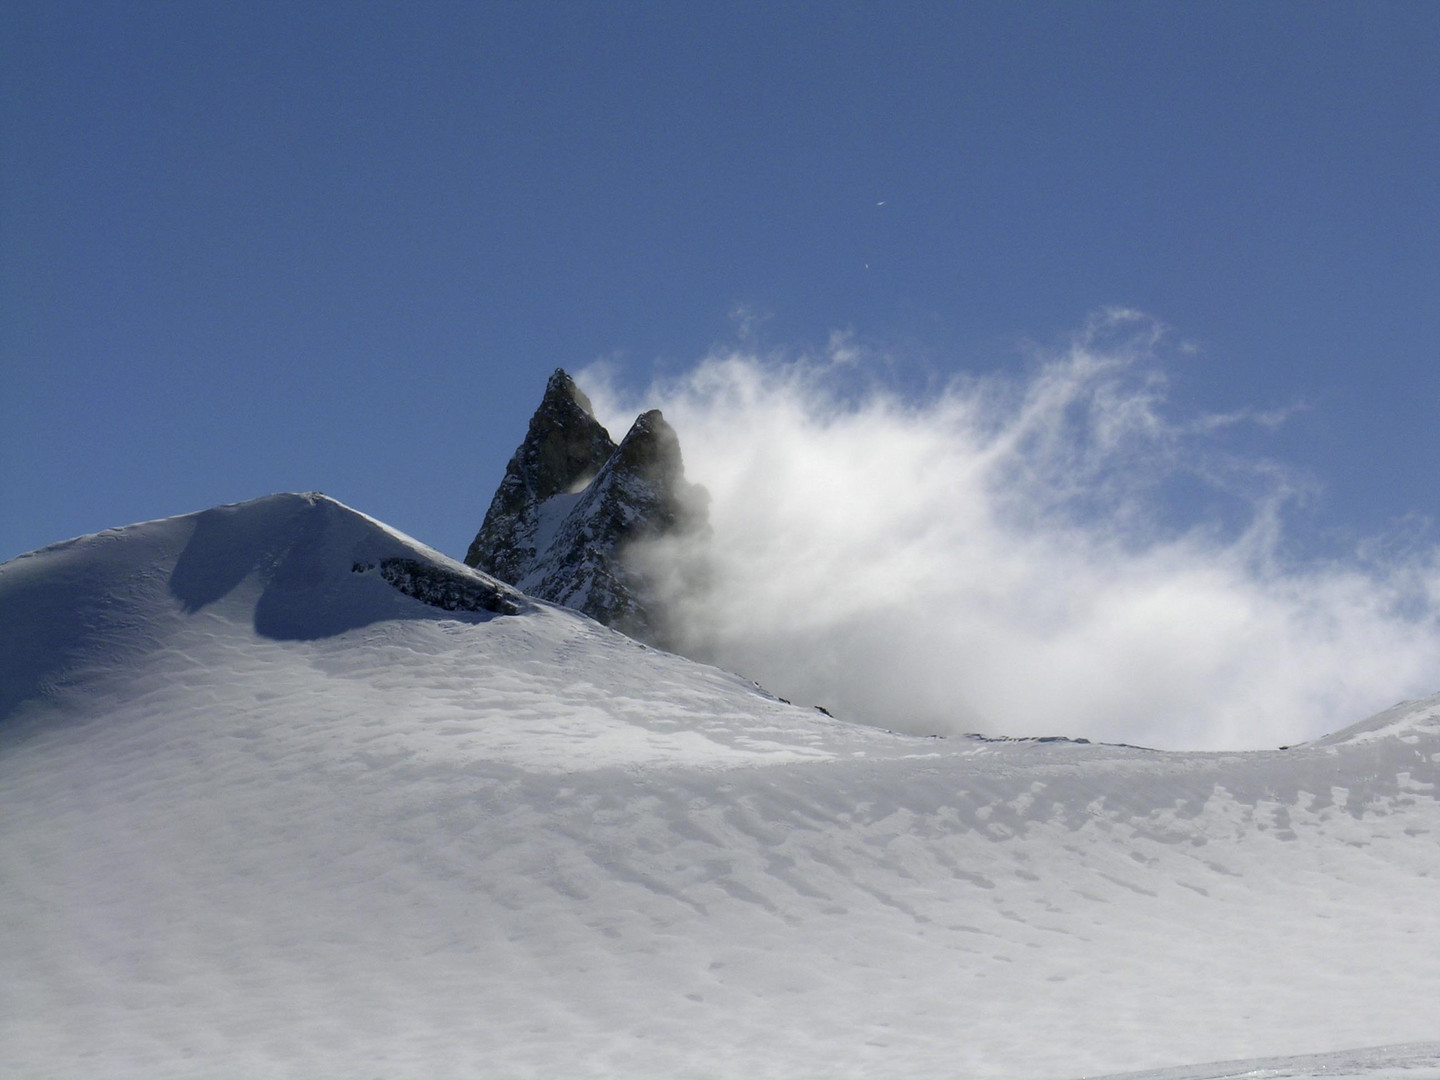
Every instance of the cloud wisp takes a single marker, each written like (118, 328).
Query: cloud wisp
(1047, 553)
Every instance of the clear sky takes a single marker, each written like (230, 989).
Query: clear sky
(252, 247)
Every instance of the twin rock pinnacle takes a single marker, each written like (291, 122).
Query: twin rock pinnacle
(574, 510)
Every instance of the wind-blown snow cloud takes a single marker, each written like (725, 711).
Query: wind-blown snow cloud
(1052, 553)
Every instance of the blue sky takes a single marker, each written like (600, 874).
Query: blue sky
(257, 247)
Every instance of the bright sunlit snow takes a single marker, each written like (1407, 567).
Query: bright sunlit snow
(264, 813)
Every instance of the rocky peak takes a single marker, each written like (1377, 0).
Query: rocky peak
(572, 506)
(651, 448)
(564, 448)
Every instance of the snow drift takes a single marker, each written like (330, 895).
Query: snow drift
(284, 792)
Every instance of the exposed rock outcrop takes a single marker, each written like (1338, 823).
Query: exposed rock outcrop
(441, 587)
(565, 521)
(563, 451)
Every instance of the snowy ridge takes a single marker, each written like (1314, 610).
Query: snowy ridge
(1408, 721)
(292, 565)
(1418, 1061)
(262, 813)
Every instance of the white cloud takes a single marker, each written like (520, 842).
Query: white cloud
(1051, 553)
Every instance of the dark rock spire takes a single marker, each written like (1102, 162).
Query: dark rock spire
(572, 506)
(563, 451)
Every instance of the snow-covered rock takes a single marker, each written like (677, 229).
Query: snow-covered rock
(268, 808)
(573, 506)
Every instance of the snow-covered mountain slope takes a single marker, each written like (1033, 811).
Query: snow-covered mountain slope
(285, 793)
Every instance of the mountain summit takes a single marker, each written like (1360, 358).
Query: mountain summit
(565, 520)
(563, 451)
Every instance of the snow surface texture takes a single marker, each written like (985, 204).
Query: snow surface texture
(264, 813)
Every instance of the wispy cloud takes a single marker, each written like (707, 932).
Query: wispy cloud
(1054, 552)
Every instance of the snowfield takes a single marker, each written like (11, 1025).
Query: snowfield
(267, 810)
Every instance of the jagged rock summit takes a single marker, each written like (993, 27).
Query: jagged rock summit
(563, 451)
(565, 520)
